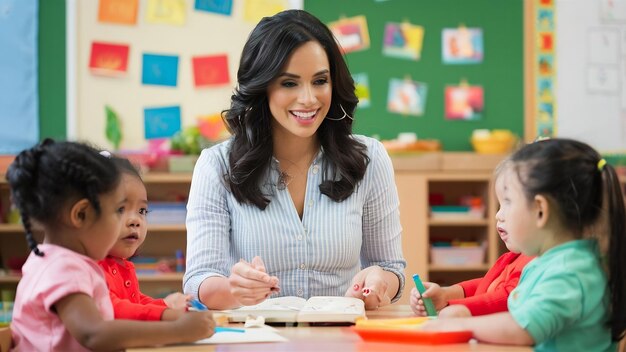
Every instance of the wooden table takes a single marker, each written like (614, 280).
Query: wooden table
(340, 339)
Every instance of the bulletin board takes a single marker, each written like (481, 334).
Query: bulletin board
(591, 72)
(197, 34)
(501, 72)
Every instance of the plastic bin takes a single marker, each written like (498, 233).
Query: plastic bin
(457, 256)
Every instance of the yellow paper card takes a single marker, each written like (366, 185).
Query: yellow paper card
(255, 10)
(118, 11)
(166, 12)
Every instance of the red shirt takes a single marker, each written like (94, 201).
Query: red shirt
(489, 294)
(128, 301)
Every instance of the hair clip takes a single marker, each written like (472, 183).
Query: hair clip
(541, 138)
(106, 154)
(601, 164)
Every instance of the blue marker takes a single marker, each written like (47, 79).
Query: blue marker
(428, 302)
(224, 329)
(197, 305)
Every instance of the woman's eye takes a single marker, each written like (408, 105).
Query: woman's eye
(288, 84)
(321, 81)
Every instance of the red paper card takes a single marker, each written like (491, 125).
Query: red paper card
(210, 70)
(109, 59)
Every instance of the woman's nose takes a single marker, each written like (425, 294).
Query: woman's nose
(307, 95)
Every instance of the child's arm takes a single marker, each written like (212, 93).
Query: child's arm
(83, 320)
(439, 295)
(177, 301)
(498, 328)
(125, 309)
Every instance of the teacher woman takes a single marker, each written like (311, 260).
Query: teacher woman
(293, 204)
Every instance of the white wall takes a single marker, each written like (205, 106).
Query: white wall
(591, 72)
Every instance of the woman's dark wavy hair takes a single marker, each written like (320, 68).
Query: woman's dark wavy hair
(264, 56)
(569, 174)
(47, 176)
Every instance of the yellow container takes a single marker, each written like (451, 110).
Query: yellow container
(496, 142)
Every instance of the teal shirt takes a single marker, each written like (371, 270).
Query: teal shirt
(562, 299)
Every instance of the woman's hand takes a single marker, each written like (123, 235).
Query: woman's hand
(177, 301)
(371, 286)
(249, 282)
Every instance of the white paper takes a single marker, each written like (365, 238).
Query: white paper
(264, 334)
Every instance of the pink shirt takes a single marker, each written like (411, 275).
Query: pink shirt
(45, 280)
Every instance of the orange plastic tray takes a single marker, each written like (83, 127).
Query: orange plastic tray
(412, 335)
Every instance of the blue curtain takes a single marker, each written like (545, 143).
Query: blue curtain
(19, 123)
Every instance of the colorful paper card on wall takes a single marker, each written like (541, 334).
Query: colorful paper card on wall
(166, 12)
(351, 33)
(161, 122)
(118, 11)
(362, 89)
(222, 7)
(108, 59)
(464, 102)
(210, 70)
(212, 127)
(255, 10)
(160, 70)
(403, 40)
(462, 45)
(407, 97)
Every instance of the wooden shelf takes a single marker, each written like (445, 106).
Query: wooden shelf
(18, 229)
(178, 277)
(459, 222)
(166, 177)
(466, 268)
(174, 277)
(11, 228)
(167, 228)
(11, 279)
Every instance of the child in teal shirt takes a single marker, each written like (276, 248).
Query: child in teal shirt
(564, 204)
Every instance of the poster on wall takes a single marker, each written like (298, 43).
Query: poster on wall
(362, 89)
(222, 7)
(166, 12)
(351, 33)
(403, 40)
(118, 11)
(462, 45)
(464, 102)
(544, 70)
(211, 70)
(108, 59)
(19, 99)
(161, 122)
(406, 97)
(160, 70)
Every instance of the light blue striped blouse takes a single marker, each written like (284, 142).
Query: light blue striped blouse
(318, 255)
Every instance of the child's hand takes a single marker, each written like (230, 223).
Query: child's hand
(193, 326)
(177, 300)
(434, 292)
(455, 311)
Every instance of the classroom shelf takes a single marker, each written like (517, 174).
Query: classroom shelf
(459, 222)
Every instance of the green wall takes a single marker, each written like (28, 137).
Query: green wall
(500, 73)
(51, 57)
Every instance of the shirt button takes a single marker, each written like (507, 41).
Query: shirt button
(127, 283)
(315, 169)
(299, 237)
(133, 295)
(310, 203)
(299, 292)
(114, 271)
(302, 266)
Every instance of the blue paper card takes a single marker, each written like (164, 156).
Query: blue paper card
(160, 70)
(223, 7)
(161, 122)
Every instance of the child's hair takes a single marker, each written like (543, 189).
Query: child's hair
(575, 178)
(48, 175)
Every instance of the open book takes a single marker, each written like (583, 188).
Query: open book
(290, 309)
